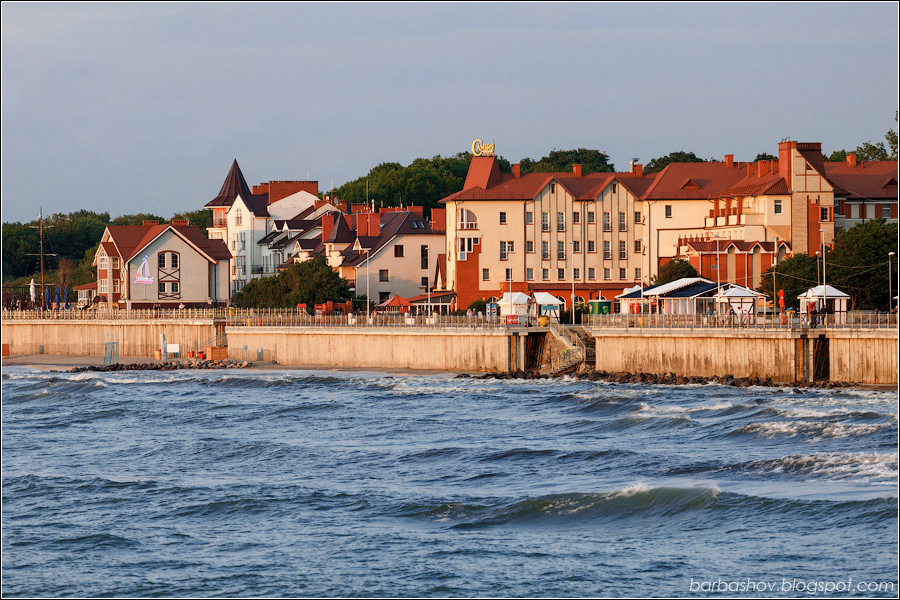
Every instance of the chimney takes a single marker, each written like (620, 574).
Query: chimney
(374, 224)
(729, 160)
(638, 170)
(149, 222)
(180, 222)
(516, 172)
(327, 226)
(576, 170)
(749, 169)
(851, 159)
(762, 168)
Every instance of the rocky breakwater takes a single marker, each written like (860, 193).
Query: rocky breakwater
(658, 379)
(166, 366)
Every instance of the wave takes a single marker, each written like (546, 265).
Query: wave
(875, 468)
(809, 429)
(638, 502)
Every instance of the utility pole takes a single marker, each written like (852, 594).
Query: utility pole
(40, 227)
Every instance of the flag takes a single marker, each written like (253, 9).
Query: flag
(31, 290)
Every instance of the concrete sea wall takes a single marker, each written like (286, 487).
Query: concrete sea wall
(784, 356)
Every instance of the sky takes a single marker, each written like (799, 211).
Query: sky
(142, 107)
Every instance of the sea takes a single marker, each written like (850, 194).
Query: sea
(272, 483)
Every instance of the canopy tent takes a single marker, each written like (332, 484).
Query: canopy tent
(548, 305)
(395, 304)
(515, 303)
(681, 294)
(743, 300)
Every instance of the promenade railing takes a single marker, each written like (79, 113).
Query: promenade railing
(280, 317)
(786, 322)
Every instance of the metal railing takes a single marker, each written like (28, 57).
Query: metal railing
(283, 317)
(788, 321)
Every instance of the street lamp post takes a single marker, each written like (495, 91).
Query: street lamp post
(890, 288)
(718, 270)
(817, 267)
(368, 299)
(824, 285)
(573, 282)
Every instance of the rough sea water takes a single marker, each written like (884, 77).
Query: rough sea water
(314, 483)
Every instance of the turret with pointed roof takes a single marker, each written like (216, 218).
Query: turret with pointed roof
(235, 185)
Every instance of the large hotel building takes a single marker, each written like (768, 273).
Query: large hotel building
(602, 233)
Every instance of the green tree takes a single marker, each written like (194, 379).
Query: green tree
(794, 275)
(201, 218)
(836, 156)
(764, 156)
(591, 161)
(310, 282)
(872, 151)
(136, 219)
(675, 269)
(658, 164)
(858, 264)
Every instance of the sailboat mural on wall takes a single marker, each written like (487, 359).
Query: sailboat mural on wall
(143, 273)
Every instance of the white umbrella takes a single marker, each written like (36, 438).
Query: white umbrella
(31, 289)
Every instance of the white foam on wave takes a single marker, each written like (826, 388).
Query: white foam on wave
(812, 429)
(878, 468)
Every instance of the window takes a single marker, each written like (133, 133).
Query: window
(545, 274)
(174, 287)
(615, 187)
(485, 274)
(115, 259)
(592, 273)
(622, 226)
(383, 275)
(668, 211)
(503, 218)
(637, 217)
(885, 213)
(467, 219)
(552, 187)
(622, 273)
(505, 248)
(508, 275)
(590, 216)
(529, 246)
(576, 246)
(104, 262)
(104, 286)
(560, 221)
(606, 225)
(529, 274)
(424, 282)
(637, 246)
(637, 273)
(854, 210)
(622, 255)
(545, 250)
(161, 260)
(174, 260)
(607, 253)
(423, 253)
(824, 214)
(545, 221)
(778, 207)
(560, 251)
(384, 296)
(576, 273)
(529, 218)
(161, 287)
(606, 274)
(561, 274)
(576, 218)
(115, 286)
(238, 217)
(398, 251)
(592, 246)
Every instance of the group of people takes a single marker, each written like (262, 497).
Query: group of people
(817, 315)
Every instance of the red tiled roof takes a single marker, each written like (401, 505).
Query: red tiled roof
(88, 286)
(484, 172)
(705, 246)
(703, 179)
(868, 181)
(754, 185)
(131, 239)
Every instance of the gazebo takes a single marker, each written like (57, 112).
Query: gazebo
(819, 297)
(395, 304)
(743, 300)
(514, 303)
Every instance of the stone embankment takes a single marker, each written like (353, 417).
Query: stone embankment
(659, 379)
(166, 366)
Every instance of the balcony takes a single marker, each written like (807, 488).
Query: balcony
(468, 225)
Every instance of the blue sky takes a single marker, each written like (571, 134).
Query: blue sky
(133, 108)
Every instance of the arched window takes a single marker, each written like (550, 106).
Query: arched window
(467, 219)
